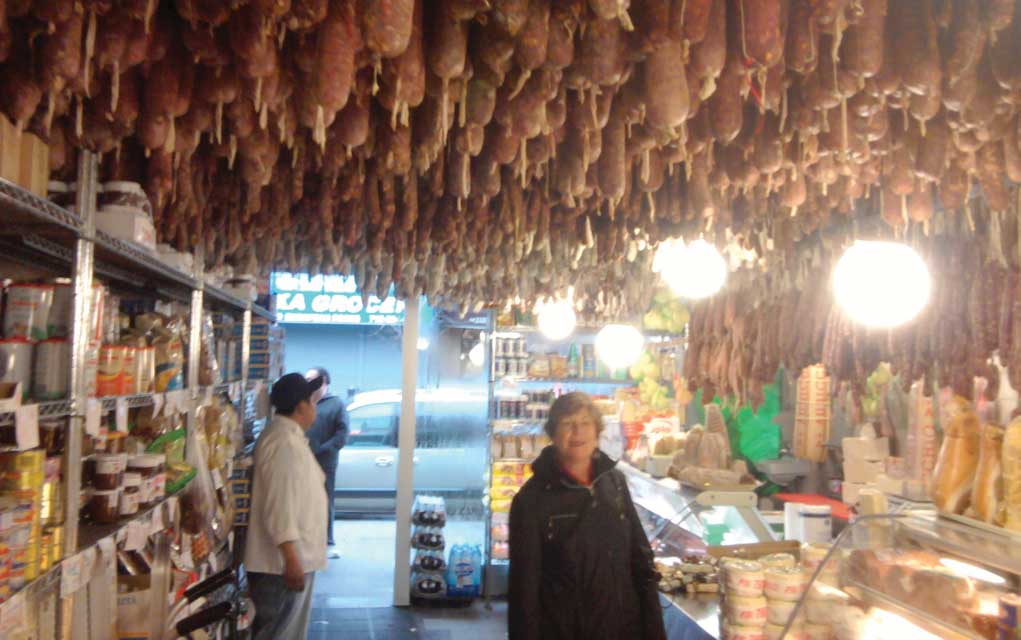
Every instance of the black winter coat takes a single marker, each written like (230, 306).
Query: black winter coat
(581, 566)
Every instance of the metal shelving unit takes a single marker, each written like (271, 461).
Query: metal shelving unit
(38, 232)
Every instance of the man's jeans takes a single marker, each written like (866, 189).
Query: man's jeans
(280, 614)
(331, 481)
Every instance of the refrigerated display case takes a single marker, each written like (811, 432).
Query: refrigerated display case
(915, 574)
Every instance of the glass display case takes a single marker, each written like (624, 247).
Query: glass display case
(910, 575)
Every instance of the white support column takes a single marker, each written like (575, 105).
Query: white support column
(406, 453)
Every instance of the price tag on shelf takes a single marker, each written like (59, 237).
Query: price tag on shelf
(70, 575)
(88, 558)
(93, 416)
(135, 538)
(26, 426)
(12, 614)
(107, 546)
(156, 520)
(157, 404)
(121, 413)
(176, 401)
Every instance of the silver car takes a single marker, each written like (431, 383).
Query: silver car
(450, 449)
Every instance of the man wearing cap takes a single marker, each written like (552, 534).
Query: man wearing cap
(287, 523)
(326, 438)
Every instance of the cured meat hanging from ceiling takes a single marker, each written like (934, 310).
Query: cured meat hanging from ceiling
(481, 151)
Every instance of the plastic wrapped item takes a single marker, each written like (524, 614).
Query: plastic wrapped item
(429, 561)
(427, 539)
(425, 584)
(429, 511)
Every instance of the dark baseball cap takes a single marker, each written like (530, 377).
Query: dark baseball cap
(291, 389)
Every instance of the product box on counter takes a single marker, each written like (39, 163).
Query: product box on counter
(133, 599)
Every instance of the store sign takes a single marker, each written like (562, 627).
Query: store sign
(305, 299)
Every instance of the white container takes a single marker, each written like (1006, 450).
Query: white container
(815, 523)
(791, 523)
(128, 224)
(16, 362)
(27, 312)
(51, 376)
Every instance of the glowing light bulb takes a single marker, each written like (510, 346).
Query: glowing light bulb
(556, 318)
(881, 284)
(423, 344)
(696, 270)
(619, 345)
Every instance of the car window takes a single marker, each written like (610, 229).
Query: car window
(373, 425)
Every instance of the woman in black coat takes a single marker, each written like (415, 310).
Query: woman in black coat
(581, 566)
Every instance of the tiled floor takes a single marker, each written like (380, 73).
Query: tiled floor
(353, 596)
(391, 623)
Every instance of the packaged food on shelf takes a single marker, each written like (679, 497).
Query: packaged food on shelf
(51, 373)
(27, 311)
(16, 363)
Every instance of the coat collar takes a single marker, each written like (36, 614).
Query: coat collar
(547, 469)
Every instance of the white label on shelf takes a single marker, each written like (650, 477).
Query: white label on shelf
(121, 413)
(156, 520)
(12, 614)
(217, 478)
(136, 535)
(88, 560)
(106, 546)
(157, 404)
(70, 575)
(93, 416)
(26, 426)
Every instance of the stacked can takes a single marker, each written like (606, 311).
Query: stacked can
(22, 476)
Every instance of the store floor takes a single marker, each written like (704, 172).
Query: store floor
(353, 597)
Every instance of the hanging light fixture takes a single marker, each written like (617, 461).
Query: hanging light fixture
(619, 345)
(556, 318)
(695, 270)
(881, 284)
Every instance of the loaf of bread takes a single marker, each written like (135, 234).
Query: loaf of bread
(987, 496)
(954, 476)
(1011, 465)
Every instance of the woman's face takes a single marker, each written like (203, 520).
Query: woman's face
(576, 436)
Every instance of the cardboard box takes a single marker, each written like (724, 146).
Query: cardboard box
(862, 469)
(849, 491)
(128, 224)
(24, 158)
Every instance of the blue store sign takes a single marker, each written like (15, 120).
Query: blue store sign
(305, 299)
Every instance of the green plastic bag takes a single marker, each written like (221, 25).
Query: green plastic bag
(758, 437)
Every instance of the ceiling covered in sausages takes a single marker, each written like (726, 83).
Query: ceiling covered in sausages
(480, 151)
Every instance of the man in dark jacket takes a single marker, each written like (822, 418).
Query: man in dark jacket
(326, 438)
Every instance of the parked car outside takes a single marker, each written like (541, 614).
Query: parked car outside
(449, 458)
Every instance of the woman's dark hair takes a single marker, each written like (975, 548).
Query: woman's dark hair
(570, 404)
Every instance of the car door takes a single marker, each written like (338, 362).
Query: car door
(366, 478)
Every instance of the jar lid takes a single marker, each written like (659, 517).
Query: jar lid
(132, 479)
(143, 461)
